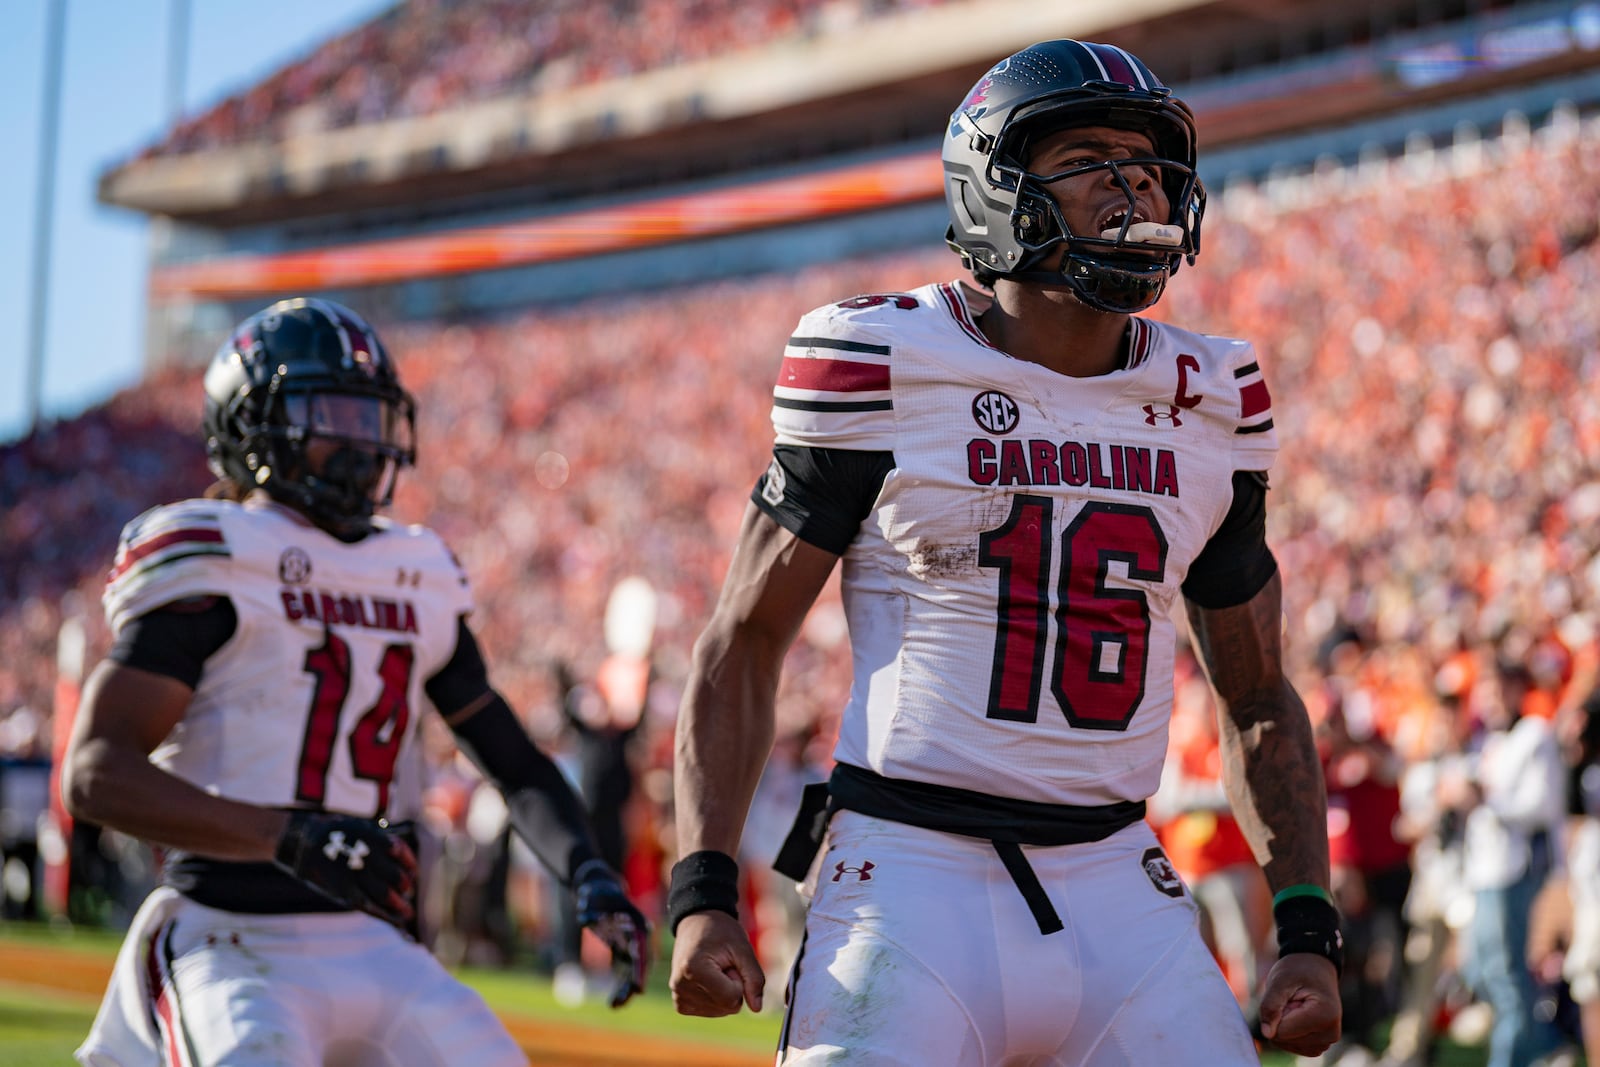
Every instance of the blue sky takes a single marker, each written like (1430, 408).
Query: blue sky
(113, 102)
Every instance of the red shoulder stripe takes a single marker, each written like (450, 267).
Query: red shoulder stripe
(1253, 400)
(958, 311)
(155, 544)
(833, 375)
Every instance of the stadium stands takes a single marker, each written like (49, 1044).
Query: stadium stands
(1425, 320)
(425, 57)
(1433, 302)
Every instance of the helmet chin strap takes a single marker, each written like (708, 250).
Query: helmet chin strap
(1120, 286)
(344, 503)
(336, 498)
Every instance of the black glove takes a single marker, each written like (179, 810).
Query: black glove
(350, 860)
(603, 907)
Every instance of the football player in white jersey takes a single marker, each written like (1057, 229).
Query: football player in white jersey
(257, 719)
(1025, 487)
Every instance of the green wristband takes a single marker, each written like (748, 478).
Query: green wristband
(1304, 889)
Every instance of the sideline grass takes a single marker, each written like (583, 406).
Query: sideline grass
(26, 1028)
(38, 1030)
(69, 938)
(41, 1030)
(529, 995)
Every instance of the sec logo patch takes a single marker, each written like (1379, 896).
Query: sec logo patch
(294, 567)
(995, 412)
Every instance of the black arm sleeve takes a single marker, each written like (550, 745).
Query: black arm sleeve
(822, 495)
(176, 639)
(544, 810)
(462, 680)
(1236, 563)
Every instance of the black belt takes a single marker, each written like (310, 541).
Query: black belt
(1004, 822)
(248, 888)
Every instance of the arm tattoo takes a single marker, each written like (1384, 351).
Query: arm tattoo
(1270, 765)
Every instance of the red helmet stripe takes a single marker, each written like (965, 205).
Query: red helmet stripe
(1117, 65)
(354, 335)
(356, 340)
(1094, 59)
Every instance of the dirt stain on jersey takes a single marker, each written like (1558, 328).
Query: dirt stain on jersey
(989, 510)
(931, 560)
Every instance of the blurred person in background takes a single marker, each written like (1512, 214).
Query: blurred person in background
(257, 719)
(1000, 475)
(463, 915)
(604, 718)
(778, 911)
(24, 802)
(1514, 802)
(601, 719)
(1580, 734)
(1371, 866)
(1438, 903)
(1195, 824)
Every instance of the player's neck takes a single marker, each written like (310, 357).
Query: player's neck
(1054, 329)
(260, 498)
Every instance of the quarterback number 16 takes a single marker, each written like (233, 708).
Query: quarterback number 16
(1097, 673)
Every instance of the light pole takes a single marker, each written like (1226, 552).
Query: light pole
(44, 200)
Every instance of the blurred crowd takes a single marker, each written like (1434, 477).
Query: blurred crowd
(425, 56)
(1427, 326)
(1426, 330)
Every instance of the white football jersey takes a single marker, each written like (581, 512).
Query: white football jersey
(1011, 596)
(314, 701)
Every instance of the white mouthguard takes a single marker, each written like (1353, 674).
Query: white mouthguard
(1150, 233)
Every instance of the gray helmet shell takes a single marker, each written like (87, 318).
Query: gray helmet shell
(1003, 221)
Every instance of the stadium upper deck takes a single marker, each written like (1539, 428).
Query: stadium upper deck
(443, 103)
(651, 154)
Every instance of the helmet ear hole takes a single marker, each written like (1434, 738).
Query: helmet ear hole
(966, 202)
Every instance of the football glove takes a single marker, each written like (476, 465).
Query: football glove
(353, 861)
(603, 907)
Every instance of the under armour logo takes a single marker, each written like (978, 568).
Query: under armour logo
(863, 873)
(355, 856)
(1153, 414)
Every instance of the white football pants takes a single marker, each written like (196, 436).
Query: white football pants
(920, 951)
(195, 987)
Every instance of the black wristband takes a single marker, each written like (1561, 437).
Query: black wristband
(1309, 924)
(702, 881)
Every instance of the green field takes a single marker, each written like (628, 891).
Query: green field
(40, 1028)
(529, 995)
